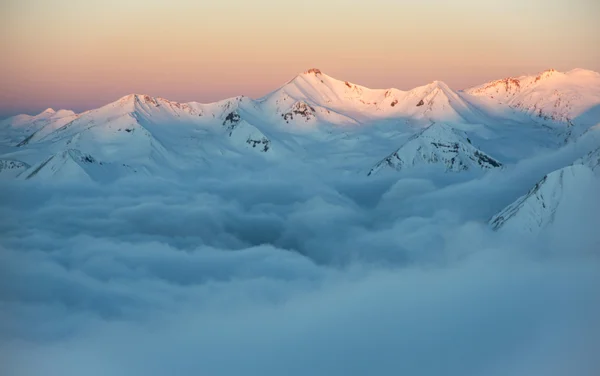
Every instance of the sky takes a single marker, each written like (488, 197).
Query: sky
(79, 55)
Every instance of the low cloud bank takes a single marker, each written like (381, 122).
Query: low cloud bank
(279, 274)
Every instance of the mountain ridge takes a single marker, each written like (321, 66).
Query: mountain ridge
(310, 110)
(317, 72)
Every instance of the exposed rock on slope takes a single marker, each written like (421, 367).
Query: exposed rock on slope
(437, 144)
(10, 168)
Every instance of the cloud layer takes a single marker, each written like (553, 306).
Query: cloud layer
(268, 273)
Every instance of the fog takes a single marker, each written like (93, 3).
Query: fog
(293, 273)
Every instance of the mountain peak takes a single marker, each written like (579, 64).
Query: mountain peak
(431, 87)
(438, 144)
(135, 99)
(48, 111)
(546, 74)
(581, 71)
(439, 85)
(314, 71)
(138, 97)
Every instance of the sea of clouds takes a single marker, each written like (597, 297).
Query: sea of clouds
(291, 272)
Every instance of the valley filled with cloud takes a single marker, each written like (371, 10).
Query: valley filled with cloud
(292, 271)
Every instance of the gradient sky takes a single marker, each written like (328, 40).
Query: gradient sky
(80, 54)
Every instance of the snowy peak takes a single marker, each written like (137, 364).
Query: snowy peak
(504, 88)
(548, 96)
(429, 93)
(149, 104)
(547, 74)
(22, 129)
(580, 72)
(63, 113)
(438, 144)
(138, 98)
(538, 208)
(436, 102)
(439, 85)
(514, 84)
(342, 102)
(320, 89)
(313, 71)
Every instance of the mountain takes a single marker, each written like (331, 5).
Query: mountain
(556, 192)
(312, 119)
(314, 97)
(119, 131)
(437, 144)
(147, 131)
(73, 164)
(572, 98)
(21, 129)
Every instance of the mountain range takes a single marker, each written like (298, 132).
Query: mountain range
(335, 125)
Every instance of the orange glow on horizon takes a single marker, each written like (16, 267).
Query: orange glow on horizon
(82, 54)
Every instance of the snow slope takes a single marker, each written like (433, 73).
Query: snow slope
(22, 129)
(314, 97)
(538, 208)
(75, 165)
(146, 131)
(437, 144)
(572, 98)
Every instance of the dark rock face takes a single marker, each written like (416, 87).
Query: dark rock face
(301, 109)
(34, 172)
(87, 159)
(9, 164)
(26, 140)
(453, 146)
(420, 103)
(232, 120)
(265, 143)
(485, 160)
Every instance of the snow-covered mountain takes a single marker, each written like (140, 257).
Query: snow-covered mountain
(22, 129)
(437, 144)
(146, 132)
(313, 118)
(314, 97)
(538, 208)
(572, 97)
(73, 164)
